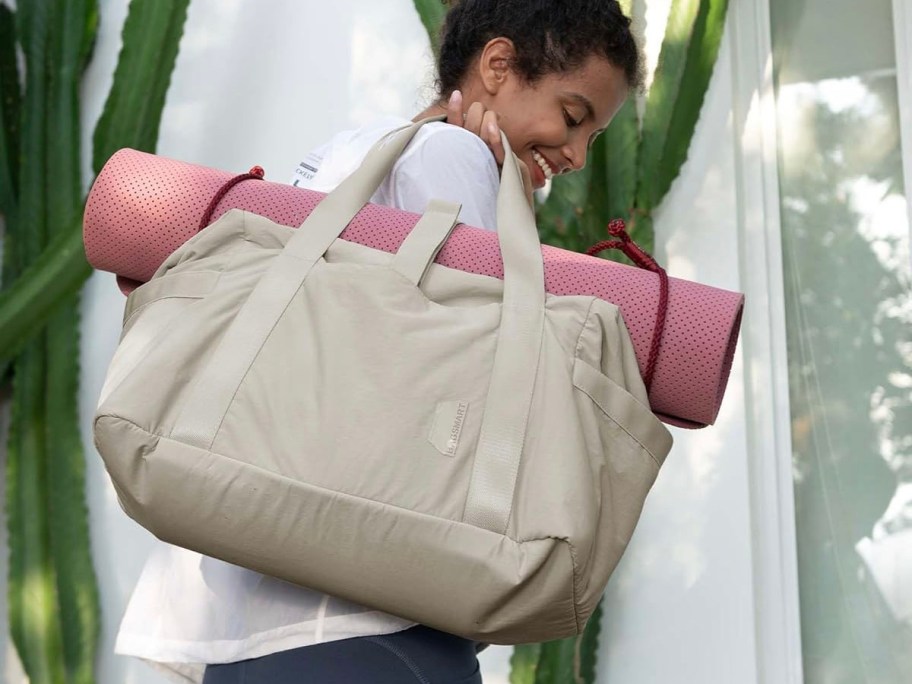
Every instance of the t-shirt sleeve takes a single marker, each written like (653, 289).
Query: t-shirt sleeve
(449, 164)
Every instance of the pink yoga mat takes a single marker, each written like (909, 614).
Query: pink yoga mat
(143, 207)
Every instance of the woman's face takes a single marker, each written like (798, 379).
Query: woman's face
(551, 123)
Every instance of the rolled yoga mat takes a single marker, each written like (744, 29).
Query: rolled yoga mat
(142, 207)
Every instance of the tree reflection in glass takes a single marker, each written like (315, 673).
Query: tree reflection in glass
(849, 316)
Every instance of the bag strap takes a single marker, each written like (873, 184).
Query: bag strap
(332, 215)
(492, 486)
(516, 361)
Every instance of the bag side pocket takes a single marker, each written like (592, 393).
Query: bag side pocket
(627, 445)
(624, 411)
(149, 315)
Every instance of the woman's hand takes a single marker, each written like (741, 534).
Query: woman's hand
(480, 121)
(484, 123)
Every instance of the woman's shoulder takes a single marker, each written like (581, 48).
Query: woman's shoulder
(435, 135)
(451, 144)
(442, 161)
(437, 143)
(450, 163)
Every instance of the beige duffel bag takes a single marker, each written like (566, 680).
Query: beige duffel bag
(468, 453)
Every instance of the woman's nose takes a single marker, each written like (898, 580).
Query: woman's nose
(575, 152)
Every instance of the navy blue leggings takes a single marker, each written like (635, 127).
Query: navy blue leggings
(419, 655)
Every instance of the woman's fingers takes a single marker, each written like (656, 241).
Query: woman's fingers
(478, 120)
(474, 117)
(491, 135)
(454, 109)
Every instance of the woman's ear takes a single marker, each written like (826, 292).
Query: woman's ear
(495, 66)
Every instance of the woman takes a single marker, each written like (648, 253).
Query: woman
(550, 74)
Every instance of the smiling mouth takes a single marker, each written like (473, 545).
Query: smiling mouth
(543, 164)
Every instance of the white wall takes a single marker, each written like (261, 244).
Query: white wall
(263, 82)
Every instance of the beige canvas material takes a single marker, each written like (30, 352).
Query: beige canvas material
(461, 451)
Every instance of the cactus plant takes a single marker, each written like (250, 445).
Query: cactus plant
(53, 598)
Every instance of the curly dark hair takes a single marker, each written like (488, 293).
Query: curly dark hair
(550, 36)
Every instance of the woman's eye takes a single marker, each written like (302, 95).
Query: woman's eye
(571, 122)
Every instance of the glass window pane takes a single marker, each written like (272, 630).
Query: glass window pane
(845, 236)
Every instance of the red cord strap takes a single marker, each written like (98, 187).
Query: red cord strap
(255, 173)
(618, 229)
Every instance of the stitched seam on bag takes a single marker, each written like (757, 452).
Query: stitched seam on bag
(401, 655)
(423, 296)
(249, 240)
(162, 298)
(279, 476)
(195, 238)
(269, 473)
(576, 578)
(168, 274)
(609, 417)
(579, 338)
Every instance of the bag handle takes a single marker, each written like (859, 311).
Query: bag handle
(492, 486)
(332, 215)
(516, 360)
(208, 400)
(503, 428)
(493, 481)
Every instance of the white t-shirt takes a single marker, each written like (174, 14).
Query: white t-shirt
(442, 162)
(188, 609)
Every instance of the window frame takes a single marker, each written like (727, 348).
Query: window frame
(777, 632)
(902, 30)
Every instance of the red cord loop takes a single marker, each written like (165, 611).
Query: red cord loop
(642, 259)
(617, 228)
(255, 173)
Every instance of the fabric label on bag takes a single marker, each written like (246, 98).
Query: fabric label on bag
(449, 418)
